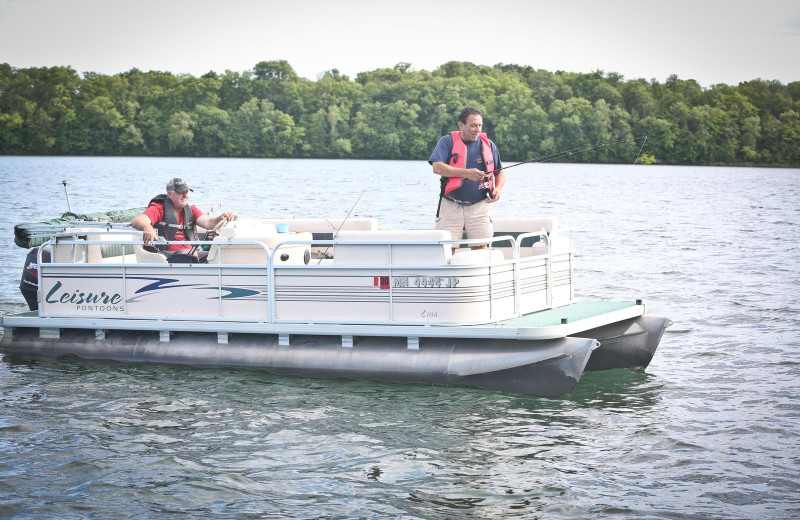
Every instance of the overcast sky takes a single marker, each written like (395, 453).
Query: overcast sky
(712, 41)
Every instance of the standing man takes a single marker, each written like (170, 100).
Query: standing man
(472, 178)
(175, 220)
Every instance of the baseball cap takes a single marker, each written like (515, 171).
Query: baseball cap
(178, 185)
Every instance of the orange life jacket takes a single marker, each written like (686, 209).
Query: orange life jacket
(458, 159)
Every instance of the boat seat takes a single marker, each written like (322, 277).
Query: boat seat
(148, 257)
(71, 253)
(401, 254)
(94, 253)
(324, 229)
(110, 253)
(518, 226)
(477, 257)
(257, 230)
(245, 230)
(533, 246)
(525, 224)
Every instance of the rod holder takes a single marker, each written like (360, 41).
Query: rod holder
(66, 192)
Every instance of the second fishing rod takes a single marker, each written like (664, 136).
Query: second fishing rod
(488, 181)
(574, 151)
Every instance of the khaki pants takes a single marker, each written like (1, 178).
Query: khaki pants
(475, 218)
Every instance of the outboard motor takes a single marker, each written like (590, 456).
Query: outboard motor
(29, 283)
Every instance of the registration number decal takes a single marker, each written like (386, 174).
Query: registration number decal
(425, 281)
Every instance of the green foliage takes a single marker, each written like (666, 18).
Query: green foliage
(646, 158)
(395, 113)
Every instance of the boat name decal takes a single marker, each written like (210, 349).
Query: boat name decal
(426, 281)
(85, 301)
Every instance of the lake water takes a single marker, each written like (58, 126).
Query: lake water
(709, 430)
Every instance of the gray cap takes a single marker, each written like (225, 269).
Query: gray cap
(178, 185)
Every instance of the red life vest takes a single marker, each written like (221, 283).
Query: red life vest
(458, 159)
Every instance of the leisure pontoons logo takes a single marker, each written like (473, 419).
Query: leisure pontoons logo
(86, 301)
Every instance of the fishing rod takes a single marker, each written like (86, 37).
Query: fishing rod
(567, 153)
(324, 254)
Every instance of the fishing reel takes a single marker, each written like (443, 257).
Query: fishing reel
(159, 245)
(487, 183)
(211, 234)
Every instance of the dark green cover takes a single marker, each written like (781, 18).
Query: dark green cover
(23, 232)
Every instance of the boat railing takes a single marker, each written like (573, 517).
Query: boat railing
(273, 266)
(74, 244)
(545, 237)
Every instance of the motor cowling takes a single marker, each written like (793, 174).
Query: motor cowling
(29, 282)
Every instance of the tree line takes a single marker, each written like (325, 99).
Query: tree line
(395, 113)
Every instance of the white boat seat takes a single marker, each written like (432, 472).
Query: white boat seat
(94, 253)
(525, 225)
(401, 254)
(477, 257)
(71, 253)
(518, 226)
(325, 229)
(147, 257)
(322, 226)
(243, 229)
(559, 240)
(257, 230)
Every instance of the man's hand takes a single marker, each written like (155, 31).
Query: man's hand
(143, 224)
(148, 235)
(474, 174)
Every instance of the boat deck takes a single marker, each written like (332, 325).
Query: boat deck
(572, 319)
(553, 323)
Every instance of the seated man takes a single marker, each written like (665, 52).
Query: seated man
(176, 220)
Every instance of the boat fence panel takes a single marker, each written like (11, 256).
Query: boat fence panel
(533, 281)
(562, 278)
(469, 294)
(325, 294)
(69, 290)
(149, 290)
(244, 293)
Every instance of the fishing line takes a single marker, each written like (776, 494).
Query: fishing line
(640, 150)
(566, 153)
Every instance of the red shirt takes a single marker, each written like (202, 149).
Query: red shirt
(155, 212)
